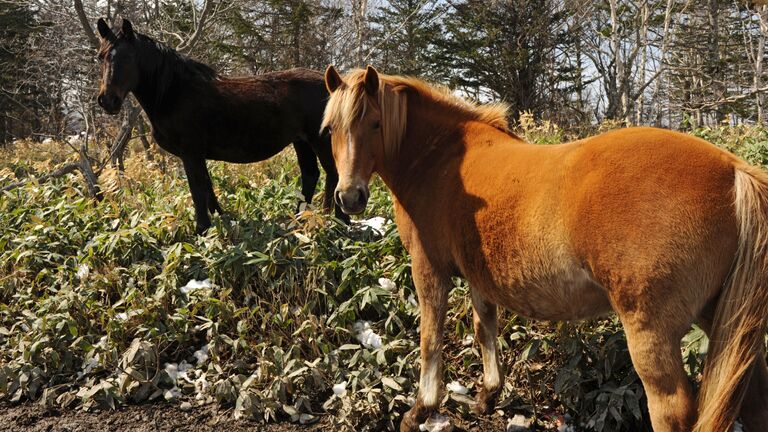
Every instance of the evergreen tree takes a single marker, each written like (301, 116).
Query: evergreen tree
(508, 50)
(16, 98)
(404, 36)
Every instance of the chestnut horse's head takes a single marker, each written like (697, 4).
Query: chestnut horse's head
(119, 65)
(364, 122)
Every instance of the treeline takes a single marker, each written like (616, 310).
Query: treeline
(672, 63)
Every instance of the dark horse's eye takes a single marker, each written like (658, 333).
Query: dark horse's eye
(377, 125)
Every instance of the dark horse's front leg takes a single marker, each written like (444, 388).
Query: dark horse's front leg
(310, 173)
(202, 191)
(331, 180)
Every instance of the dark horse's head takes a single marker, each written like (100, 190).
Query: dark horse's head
(119, 65)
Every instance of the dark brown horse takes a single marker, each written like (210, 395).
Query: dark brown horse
(196, 114)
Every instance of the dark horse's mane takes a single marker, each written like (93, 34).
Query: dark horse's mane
(164, 65)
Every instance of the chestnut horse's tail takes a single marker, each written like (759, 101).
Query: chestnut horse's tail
(738, 328)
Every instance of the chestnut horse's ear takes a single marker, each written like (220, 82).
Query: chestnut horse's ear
(332, 79)
(127, 29)
(371, 80)
(104, 31)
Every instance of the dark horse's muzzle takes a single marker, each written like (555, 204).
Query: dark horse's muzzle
(352, 200)
(110, 102)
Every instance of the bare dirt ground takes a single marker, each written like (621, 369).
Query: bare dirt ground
(160, 417)
(138, 418)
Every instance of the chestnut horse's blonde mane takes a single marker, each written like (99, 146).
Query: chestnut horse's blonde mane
(349, 102)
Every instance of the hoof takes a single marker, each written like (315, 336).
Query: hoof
(437, 423)
(485, 401)
(413, 418)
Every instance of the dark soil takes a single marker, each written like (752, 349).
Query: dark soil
(32, 417)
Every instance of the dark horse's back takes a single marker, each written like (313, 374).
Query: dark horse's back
(252, 118)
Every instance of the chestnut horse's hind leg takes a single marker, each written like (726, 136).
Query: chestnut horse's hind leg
(655, 350)
(432, 290)
(310, 173)
(486, 331)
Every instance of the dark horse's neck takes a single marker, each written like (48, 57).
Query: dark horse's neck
(163, 73)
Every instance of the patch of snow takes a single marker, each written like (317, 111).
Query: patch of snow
(376, 223)
(387, 284)
(83, 271)
(172, 369)
(737, 427)
(436, 423)
(340, 389)
(48, 140)
(412, 301)
(468, 340)
(366, 336)
(518, 423)
(201, 355)
(194, 285)
(173, 393)
(456, 387)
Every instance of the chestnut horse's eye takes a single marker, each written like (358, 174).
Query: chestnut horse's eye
(377, 125)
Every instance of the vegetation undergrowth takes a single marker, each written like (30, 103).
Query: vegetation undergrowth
(280, 317)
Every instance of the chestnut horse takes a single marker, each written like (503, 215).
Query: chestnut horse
(662, 228)
(196, 114)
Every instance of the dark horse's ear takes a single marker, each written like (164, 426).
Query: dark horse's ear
(104, 31)
(127, 29)
(371, 81)
(332, 79)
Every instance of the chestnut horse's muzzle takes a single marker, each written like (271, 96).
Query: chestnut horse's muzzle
(110, 102)
(352, 200)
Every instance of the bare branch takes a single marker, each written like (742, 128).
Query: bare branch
(190, 43)
(92, 39)
(66, 169)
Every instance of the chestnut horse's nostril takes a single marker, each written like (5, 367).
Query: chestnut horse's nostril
(337, 198)
(362, 194)
(362, 199)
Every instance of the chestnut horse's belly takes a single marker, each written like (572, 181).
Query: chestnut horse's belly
(552, 289)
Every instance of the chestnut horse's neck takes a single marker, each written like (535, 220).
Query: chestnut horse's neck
(164, 71)
(434, 134)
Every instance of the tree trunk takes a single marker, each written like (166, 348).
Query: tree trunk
(643, 40)
(117, 152)
(762, 14)
(142, 126)
(616, 99)
(359, 8)
(714, 57)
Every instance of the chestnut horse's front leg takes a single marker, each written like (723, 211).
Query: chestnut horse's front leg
(432, 288)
